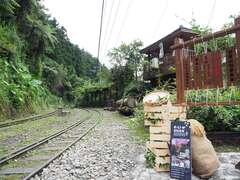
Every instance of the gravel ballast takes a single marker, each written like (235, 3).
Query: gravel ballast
(110, 152)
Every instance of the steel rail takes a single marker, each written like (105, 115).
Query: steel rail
(65, 149)
(32, 146)
(20, 121)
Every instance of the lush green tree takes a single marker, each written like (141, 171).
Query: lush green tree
(128, 55)
(127, 63)
(37, 59)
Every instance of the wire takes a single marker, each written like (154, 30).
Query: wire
(129, 5)
(108, 23)
(100, 31)
(160, 19)
(212, 12)
(113, 24)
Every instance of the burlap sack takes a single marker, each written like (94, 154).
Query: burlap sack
(204, 157)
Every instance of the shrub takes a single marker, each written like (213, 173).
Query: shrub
(216, 118)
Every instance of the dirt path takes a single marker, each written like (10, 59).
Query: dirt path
(110, 152)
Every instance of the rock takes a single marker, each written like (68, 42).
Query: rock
(125, 110)
(237, 166)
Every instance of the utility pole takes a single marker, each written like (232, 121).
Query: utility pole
(100, 33)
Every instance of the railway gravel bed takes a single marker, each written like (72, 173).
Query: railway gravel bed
(14, 137)
(26, 162)
(110, 152)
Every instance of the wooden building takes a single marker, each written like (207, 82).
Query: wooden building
(161, 60)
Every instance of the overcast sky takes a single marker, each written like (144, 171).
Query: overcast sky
(147, 20)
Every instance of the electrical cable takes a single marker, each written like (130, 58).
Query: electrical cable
(100, 31)
(108, 23)
(113, 24)
(160, 19)
(129, 5)
(212, 12)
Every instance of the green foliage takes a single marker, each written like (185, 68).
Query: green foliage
(7, 7)
(136, 124)
(135, 88)
(216, 43)
(87, 86)
(165, 166)
(139, 114)
(9, 38)
(37, 60)
(216, 118)
(19, 90)
(150, 159)
(127, 63)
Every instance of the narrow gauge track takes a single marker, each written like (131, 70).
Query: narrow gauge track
(20, 121)
(33, 158)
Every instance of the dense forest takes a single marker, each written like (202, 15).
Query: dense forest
(38, 63)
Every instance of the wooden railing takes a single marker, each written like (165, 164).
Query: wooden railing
(206, 66)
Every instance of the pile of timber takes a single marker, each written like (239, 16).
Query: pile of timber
(158, 114)
(126, 106)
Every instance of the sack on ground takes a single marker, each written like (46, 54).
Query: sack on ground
(204, 158)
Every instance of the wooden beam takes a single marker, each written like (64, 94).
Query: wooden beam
(207, 37)
(225, 103)
(179, 72)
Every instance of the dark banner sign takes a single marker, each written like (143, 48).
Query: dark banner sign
(180, 147)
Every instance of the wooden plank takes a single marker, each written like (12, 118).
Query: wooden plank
(160, 137)
(173, 116)
(162, 160)
(160, 123)
(206, 58)
(237, 37)
(161, 152)
(166, 116)
(231, 66)
(187, 72)
(213, 103)
(158, 169)
(179, 72)
(197, 71)
(158, 152)
(159, 109)
(217, 69)
(208, 37)
(157, 144)
(156, 115)
(177, 109)
(156, 130)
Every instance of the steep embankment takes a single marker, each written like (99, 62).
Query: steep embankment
(39, 65)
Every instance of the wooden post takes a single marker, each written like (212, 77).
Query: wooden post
(237, 22)
(179, 72)
(95, 99)
(104, 97)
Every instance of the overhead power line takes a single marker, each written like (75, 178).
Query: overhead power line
(160, 19)
(129, 5)
(113, 24)
(212, 12)
(107, 25)
(100, 31)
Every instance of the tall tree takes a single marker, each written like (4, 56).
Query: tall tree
(127, 63)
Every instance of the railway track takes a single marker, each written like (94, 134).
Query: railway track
(31, 118)
(30, 160)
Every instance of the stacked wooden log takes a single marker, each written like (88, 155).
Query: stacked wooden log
(158, 113)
